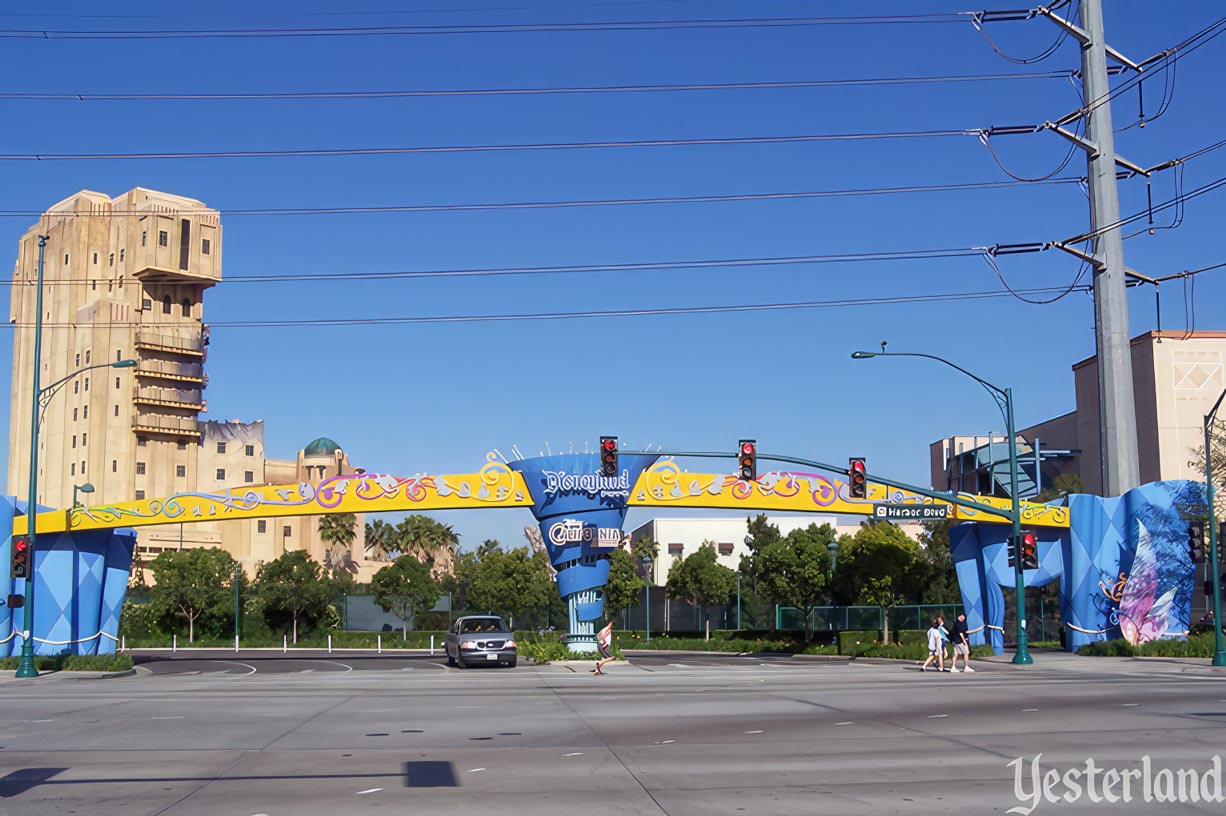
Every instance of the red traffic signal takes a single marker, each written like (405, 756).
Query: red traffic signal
(608, 456)
(1030, 551)
(20, 567)
(747, 459)
(857, 477)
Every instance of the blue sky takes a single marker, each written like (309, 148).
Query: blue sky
(409, 398)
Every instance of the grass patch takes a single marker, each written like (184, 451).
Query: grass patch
(1195, 646)
(67, 662)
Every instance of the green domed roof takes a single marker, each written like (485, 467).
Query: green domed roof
(322, 446)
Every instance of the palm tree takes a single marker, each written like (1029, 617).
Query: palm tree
(430, 542)
(382, 541)
(338, 532)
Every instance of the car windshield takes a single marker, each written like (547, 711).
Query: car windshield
(484, 625)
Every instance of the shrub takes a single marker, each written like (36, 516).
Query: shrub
(1118, 647)
(67, 662)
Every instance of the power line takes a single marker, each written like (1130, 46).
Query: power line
(492, 148)
(534, 316)
(561, 204)
(419, 30)
(580, 89)
(1176, 201)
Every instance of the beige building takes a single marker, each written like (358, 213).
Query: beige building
(124, 278)
(1177, 376)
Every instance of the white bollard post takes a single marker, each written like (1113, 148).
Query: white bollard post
(379, 643)
(284, 644)
(329, 644)
(432, 645)
(236, 644)
(123, 643)
(174, 643)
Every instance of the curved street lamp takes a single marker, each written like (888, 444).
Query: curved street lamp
(40, 397)
(85, 488)
(1004, 401)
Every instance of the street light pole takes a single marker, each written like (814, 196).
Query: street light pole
(26, 667)
(1004, 400)
(42, 396)
(1219, 653)
(646, 561)
(738, 600)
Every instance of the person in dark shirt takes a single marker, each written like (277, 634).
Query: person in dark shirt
(961, 640)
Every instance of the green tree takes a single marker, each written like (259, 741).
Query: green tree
(506, 580)
(339, 531)
(880, 565)
(1064, 483)
(760, 534)
(942, 584)
(625, 586)
(293, 590)
(405, 589)
(190, 584)
(700, 579)
(793, 570)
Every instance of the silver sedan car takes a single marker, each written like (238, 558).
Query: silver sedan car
(480, 640)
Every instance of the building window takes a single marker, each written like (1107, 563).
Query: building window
(144, 237)
(146, 304)
(180, 470)
(121, 254)
(163, 238)
(74, 414)
(675, 549)
(187, 307)
(109, 261)
(87, 383)
(166, 304)
(250, 450)
(85, 412)
(93, 285)
(87, 358)
(114, 466)
(82, 467)
(140, 494)
(116, 410)
(116, 383)
(221, 474)
(204, 246)
(185, 242)
(141, 441)
(140, 468)
(74, 440)
(76, 386)
(182, 446)
(261, 526)
(725, 549)
(285, 531)
(84, 439)
(118, 355)
(96, 258)
(221, 447)
(72, 470)
(65, 259)
(248, 476)
(76, 361)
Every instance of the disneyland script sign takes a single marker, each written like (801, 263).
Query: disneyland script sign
(910, 512)
(559, 482)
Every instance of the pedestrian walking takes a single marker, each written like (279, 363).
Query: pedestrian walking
(936, 648)
(944, 637)
(962, 644)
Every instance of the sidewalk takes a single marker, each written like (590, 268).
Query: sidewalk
(1061, 660)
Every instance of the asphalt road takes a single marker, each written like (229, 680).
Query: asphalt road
(696, 734)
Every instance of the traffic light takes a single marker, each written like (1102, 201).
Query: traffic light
(16, 601)
(747, 459)
(1196, 541)
(608, 456)
(21, 557)
(1030, 551)
(857, 477)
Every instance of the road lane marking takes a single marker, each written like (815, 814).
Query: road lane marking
(1129, 705)
(346, 666)
(574, 753)
(370, 790)
(166, 718)
(1029, 709)
(753, 732)
(849, 722)
(936, 716)
(475, 770)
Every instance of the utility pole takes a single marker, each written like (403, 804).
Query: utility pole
(1117, 411)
